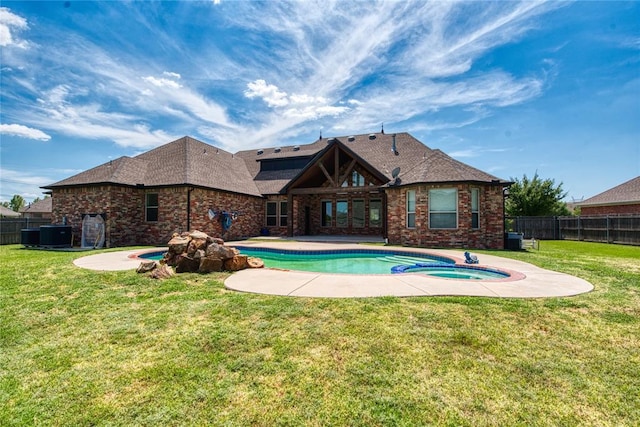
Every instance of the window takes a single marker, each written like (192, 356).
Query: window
(272, 214)
(443, 208)
(151, 207)
(375, 213)
(357, 180)
(342, 213)
(327, 212)
(283, 214)
(475, 208)
(276, 214)
(411, 209)
(358, 214)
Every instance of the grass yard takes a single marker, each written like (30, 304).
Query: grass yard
(81, 348)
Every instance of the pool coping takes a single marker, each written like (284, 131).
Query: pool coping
(527, 281)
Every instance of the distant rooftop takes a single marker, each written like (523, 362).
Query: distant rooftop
(625, 193)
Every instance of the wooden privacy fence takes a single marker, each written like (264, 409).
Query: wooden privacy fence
(10, 228)
(623, 229)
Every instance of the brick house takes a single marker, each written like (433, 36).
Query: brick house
(391, 186)
(40, 209)
(623, 199)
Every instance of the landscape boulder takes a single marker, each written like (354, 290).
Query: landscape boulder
(163, 271)
(253, 262)
(210, 265)
(187, 264)
(195, 251)
(146, 266)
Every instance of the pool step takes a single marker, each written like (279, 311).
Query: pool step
(404, 260)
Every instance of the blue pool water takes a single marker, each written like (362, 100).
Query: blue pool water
(363, 261)
(156, 256)
(360, 261)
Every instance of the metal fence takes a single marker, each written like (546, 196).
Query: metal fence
(622, 229)
(10, 228)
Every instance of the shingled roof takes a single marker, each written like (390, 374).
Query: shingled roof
(185, 161)
(41, 206)
(188, 161)
(625, 193)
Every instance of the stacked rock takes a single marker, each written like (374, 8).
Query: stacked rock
(195, 251)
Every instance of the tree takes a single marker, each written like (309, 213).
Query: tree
(16, 203)
(535, 197)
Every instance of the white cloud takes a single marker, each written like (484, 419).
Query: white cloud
(160, 82)
(353, 64)
(9, 24)
(172, 75)
(24, 132)
(267, 92)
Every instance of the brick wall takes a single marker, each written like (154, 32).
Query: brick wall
(250, 210)
(610, 210)
(489, 235)
(124, 208)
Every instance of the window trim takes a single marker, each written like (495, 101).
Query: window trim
(283, 214)
(279, 217)
(475, 212)
(346, 218)
(431, 212)
(378, 223)
(149, 208)
(323, 211)
(410, 213)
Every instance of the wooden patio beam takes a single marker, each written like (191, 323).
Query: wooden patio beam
(337, 190)
(324, 171)
(336, 166)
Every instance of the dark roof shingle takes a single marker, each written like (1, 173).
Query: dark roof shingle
(188, 161)
(185, 161)
(627, 192)
(41, 206)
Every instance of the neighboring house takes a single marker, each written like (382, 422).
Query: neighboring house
(619, 200)
(39, 209)
(8, 213)
(391, 186)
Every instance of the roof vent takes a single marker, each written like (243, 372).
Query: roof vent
(277, 150)
(296, 148)
(260, 152)
(372, 136)
(351, 138)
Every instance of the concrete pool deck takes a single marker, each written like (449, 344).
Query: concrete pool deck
(528, 281)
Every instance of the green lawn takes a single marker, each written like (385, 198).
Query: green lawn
(79, 348)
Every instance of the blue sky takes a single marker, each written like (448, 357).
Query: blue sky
(510, 88)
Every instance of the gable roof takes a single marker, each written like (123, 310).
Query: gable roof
(185, 161)
(41, 206)
(417, 162)
(625, 193)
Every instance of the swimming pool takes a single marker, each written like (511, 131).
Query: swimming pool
(351, 261)
(464, 272)
(363, 261)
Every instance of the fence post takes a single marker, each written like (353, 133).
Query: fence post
(579, 226)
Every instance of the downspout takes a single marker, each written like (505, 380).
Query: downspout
(189, 190)
(385, 230)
